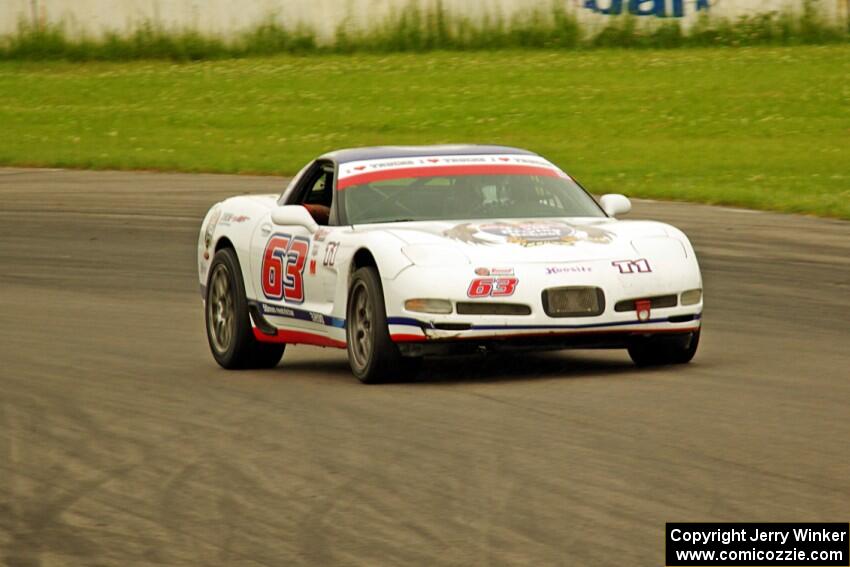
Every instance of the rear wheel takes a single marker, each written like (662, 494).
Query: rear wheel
(372, 355)
(229, 330)
(657, 351)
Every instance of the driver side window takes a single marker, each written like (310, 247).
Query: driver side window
(315, 192)
(320, 191)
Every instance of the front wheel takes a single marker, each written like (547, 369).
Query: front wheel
(372, 355)
(229, 329)
(658, 351)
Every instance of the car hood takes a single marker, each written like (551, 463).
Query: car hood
(508, 241)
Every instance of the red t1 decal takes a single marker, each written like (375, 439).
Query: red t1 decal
(283, 267)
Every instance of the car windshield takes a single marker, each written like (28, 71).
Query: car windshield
(450, 193)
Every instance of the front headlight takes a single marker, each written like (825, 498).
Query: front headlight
(440, 306)
(691, 297)
(434, 255)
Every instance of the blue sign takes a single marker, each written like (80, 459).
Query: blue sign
(657, 8)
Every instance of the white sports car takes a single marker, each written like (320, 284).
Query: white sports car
(396, 253)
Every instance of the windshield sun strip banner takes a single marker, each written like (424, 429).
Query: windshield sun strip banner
(356, 173)
(439, 171)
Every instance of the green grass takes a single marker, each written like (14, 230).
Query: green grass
(755, 127)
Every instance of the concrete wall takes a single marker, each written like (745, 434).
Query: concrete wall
(228, 16)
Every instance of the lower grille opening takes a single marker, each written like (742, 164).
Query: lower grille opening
(489, 308)
(573, 301)
(682, 318)
(656, 302)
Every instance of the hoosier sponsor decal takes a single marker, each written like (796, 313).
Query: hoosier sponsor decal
(552, 270)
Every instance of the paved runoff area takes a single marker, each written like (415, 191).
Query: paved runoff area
(122, 443)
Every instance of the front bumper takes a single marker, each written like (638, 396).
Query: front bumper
(609, 339)
(609, 329)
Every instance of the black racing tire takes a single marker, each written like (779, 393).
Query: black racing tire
(229, 331)
(373, 356)
(660, 351)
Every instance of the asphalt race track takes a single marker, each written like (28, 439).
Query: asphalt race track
(122, 443)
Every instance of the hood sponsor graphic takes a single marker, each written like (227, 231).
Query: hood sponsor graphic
(494, 271)
(552, 270)
(527, 233)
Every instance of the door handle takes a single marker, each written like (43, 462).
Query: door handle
(265, 229)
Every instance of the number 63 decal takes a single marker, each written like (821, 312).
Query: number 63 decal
(492, 287)
(283, 267)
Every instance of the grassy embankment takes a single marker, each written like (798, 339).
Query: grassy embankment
(765, 127)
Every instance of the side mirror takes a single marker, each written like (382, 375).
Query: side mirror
(615, 204)
(294, 215)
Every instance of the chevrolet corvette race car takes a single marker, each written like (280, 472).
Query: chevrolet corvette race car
(397, 253)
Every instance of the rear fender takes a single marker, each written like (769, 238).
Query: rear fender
(232, 223)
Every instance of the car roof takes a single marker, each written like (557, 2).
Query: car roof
(390, 152)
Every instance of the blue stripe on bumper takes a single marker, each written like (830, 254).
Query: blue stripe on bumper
(424, 325)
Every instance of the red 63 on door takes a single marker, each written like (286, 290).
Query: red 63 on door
(282, 273)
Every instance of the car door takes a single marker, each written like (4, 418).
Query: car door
(283, 257)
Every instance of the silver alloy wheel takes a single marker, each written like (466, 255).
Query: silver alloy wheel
(361, 325)
(221, 314)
